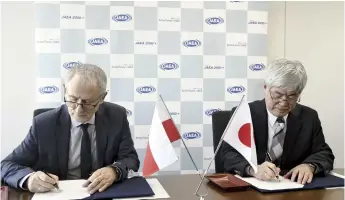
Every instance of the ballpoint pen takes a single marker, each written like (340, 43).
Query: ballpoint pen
(56, 185)
(270, 159)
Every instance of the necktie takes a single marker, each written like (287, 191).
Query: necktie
(276, 149)
(85, 154)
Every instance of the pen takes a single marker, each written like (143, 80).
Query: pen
(270, 159)
(56, 185)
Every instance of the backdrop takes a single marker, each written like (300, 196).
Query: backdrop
(200, 56)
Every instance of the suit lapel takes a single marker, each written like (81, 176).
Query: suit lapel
(63, 133)
(101, 135)
(259, 115)
(292, 132)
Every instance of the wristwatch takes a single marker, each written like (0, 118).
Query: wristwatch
(117, 170)
(312, 166)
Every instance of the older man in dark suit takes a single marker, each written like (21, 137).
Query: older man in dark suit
(288, 136)
(86, 138)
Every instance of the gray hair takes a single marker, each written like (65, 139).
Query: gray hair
(90, 73)
(287, 74)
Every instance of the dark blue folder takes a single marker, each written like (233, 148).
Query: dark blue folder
(129, 188)
(318, 182)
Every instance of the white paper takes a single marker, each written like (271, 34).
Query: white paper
(157, 188)
(69, 189)
(272, 185)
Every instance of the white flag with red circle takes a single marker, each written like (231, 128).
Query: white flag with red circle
(240, 134)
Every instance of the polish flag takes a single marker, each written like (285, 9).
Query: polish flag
(240, 134)
(160, 153)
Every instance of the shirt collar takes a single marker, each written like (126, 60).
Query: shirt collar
(90, 121)
(272, 119)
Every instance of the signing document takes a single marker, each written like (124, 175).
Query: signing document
(69, 189)
(282, 184)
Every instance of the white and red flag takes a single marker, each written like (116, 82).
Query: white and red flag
(160, 152)
(240, 134)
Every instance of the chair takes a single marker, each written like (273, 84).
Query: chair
(220, 120)
(41, 110)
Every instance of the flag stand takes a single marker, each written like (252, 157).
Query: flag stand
(184, 144)
(218, 147)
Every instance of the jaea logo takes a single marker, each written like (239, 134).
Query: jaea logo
(169, 66)
(48, 89)
(214, 20)
(97, 41)
(122, 18)
(192, 43)
(70, 65)
(209, 112)
(145, 89)
(236, 89)
(191, 135)
(257, 67)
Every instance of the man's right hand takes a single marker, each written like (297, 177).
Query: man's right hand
(266, 171)
(40, 182)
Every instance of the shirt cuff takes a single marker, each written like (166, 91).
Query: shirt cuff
(22, 181)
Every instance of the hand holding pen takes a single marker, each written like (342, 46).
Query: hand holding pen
(56, 184)
(267, 171)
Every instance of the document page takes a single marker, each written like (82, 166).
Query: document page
(69, 189)
(273, 184)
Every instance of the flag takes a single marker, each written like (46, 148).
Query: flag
(240, 134)
(159, 152)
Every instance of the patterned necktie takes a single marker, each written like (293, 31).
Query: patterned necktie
(85, 153)
(277, 145)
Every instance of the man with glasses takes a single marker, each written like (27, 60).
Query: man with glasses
(288, 136)
(86, 138)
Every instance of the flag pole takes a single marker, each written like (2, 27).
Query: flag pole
(219, 144)
(181, 137)
(196, 168)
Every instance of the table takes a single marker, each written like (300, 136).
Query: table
(182, 187)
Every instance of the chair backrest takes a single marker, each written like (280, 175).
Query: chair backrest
(220, 120)
(41, 110)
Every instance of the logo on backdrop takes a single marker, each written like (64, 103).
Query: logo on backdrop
(236, 89)
(122, 18)
(70, 65)
(191, 135)
(213, 67)
(146, 89)
(192, 43)
(192, 90)
(124, 66)
(145, 43)
(174, 113)
(128, 112)
(97, 41)
(171, 19)
(169, 66)
(256, 22)
(214, 20)
(209, 112)
(237, 44)
(72, 17)
(48, 89)
(257, 67)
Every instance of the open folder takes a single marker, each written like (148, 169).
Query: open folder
(73, 189)
(284, 185)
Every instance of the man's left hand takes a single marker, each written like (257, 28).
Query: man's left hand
(303, 172)
(100, 180)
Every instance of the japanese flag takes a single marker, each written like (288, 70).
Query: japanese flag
(240, 134)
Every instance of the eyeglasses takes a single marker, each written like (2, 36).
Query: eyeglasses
(86, 106)
(276, 97)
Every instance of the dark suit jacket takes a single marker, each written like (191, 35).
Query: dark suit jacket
(304, 141)
(46, 147)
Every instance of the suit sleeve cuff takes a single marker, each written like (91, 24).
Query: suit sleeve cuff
(22, 181)
(121, 171)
